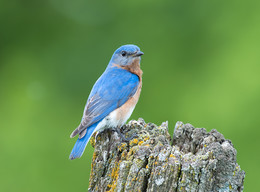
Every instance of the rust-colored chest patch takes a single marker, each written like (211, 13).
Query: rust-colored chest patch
(134, 68)
(125, 111)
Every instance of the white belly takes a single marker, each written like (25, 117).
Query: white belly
(112, 120)
(119, 116)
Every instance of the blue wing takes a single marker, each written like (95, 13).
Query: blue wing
(111, 91)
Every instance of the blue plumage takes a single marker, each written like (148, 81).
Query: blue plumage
(112, 90)
(80, 144)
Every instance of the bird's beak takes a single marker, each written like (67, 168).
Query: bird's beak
(138, 53)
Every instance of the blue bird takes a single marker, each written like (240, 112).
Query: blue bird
(112, 98)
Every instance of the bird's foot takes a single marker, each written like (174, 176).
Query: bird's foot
(122, 137)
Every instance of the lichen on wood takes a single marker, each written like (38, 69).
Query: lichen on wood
(192, 160)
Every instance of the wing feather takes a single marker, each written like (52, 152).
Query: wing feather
(110, 92)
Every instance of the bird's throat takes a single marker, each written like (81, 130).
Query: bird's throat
(134, 67)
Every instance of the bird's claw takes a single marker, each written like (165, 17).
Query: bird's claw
(122, 137)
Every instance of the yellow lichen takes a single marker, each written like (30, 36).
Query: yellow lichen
(133, 142)
(93, 164)
(205, 145)
(132, 151)
(114, 175)
(92, 141)
(123, 155)
(140, 142)
(122, 147)
(146, 138)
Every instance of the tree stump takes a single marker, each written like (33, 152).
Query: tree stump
(193, 160)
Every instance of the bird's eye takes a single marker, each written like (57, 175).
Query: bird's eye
(123, 53)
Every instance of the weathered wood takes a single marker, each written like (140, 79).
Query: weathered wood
(193, 160)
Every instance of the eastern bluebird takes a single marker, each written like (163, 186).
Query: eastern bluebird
(112, 98)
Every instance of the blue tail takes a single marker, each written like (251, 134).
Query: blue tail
(81, 144)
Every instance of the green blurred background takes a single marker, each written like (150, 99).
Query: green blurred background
(201, 65)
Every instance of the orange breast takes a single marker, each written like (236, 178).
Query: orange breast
(124, 112)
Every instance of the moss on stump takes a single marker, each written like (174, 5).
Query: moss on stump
(192, 160)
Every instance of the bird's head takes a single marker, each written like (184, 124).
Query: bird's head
(126, 55)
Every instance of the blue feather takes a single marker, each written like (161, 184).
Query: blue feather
(113, 89)
(81, 144)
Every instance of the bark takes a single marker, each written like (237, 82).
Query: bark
(192, 160)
